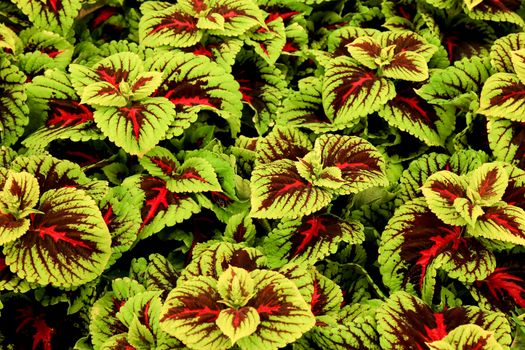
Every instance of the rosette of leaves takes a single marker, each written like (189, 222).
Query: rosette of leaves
(259, 309)
(119, 89)
(418, 171)
(380, 74)
(52, 229)
(185, 23)
(452, 229)
(337, 165)
(128, 316)
(166, 190)
(404, 321)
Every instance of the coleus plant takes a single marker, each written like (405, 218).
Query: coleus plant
(262, 174)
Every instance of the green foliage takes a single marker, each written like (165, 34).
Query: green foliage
(241, 174)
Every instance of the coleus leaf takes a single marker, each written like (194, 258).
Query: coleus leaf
(121, 212)
(501, 222)
(10, 281)
(406, 65)
(362, 165)
(441, 190)
(190, 311)
(160, 274)
(262, 87)
(504, 288)
(310, 239)
(283, 312)
(19, 195)
(73, 235)
(283, 143)
(239, 16)
(269, 43)
(53, 50)
(103, 315)
(351, 91)
(277, 190)
(160, 207)
(222, 50)
(170, 25)
(488, 183)
(467, 337)
(506, 139)
(415, 242)
(405, 41)
(53, 95)
(327, 296)
(420, 169)
(366, 50)
(304, 108)
(404, 321)
(409, 112)
(240, 229)
(353, 327)
(502, 96)
(340, 38)
(13, 110)
(236, 287)
(138, 127)
(238, 323)
(500, 11)
(212, 259)
(56, 15)
(194, 175)
(53, 173)
(193, 83)
(501, 51)
(140, 314)
(454, 84)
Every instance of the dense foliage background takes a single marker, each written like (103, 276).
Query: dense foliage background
(308, 174)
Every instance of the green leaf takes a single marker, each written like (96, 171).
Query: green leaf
(518, 62)
(284, 314)
(235, 287)
(193, 83)
(13, 109)
(501, 222)
(351, 91)
(407, 65)
(365, 50)
(190, 313)
(489, 183)
(194, 175)
(310, 239)
(68, 244)
(441, 190)
(19, 195)
(467, 337)
(502, 96)
(453, 84)
(139, 127)
(283, 143)
(160, 274)
(362, 165)
(238, 323)
(277, 191)
(501, 51)
(168, 26)
(57, 16)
